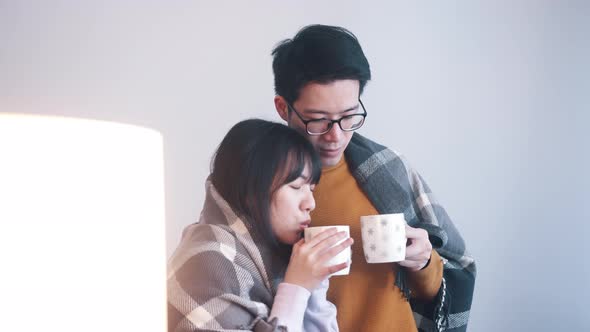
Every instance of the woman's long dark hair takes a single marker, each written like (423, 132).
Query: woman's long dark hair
(255, 158)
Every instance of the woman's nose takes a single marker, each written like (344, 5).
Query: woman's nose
(308, 203)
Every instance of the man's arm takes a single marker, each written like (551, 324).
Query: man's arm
(425, 283)
(393, 186)
(451, 305)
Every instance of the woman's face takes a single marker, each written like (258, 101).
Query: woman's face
(290, 207)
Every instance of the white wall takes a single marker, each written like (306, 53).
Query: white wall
(489, 99)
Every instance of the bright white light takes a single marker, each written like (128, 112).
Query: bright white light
(81, 226)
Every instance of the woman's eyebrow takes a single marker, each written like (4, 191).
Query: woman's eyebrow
(306, 178)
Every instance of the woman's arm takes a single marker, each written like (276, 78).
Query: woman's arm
(298, 310)
(290, 305)
(320, 315)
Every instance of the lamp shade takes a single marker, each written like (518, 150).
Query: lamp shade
(82, 234)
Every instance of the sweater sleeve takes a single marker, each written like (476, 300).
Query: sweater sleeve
(289, 306)
(320, 315)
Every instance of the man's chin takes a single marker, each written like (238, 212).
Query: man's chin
(330, 161)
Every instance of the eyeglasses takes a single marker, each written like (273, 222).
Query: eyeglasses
(321, 126)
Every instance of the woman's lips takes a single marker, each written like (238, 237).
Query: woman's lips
(304, 225)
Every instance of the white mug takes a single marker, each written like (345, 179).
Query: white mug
(343, 256)
(384, 237)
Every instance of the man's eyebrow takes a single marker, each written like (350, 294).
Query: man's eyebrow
(313, 111)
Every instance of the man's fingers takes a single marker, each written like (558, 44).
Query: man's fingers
(416, 233)
(413, 265)
(417, 254)
(418, 245)
(414, 249)
(418, 250)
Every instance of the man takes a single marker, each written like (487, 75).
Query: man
(319, 78)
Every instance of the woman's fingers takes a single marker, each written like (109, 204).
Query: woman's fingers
(322, 236)
(335, 268)
(328, 242)
(329, 253)
(309, 260)
(297, 245)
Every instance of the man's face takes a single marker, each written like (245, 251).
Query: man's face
(324, 101)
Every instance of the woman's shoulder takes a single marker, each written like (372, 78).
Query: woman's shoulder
(203, 244)
(201, 233)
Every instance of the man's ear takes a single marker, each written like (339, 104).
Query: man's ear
(282, 108)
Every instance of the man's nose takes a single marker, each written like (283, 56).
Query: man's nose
(334, 134)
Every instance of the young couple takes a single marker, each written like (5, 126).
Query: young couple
(244, 266)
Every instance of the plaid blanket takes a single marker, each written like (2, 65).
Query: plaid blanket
(394, 187)
(220, 277)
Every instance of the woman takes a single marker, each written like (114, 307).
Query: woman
(244, 265)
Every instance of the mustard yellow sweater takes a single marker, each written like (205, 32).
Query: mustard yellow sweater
(367, 299)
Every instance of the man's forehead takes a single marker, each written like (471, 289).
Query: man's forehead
(311, 111)
(329, 93)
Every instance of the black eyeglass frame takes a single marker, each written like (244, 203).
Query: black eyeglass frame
(364, 114)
